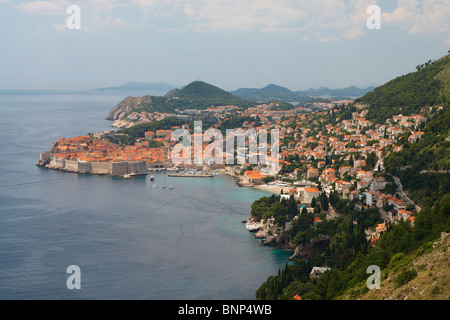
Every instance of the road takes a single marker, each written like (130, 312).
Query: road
(331, 214)
(403, 194)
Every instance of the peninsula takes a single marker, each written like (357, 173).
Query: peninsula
(95, 155)
(359, 182)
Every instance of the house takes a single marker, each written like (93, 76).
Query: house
(149, 135)
(312, 173)
(404, 214)
(317, 220)
(352, 195)
(397, 203)
(374, 238)
(371, 197)
(359, 163)
(381, 227)
(382, 200)
(330, 171)
(254, 176)
(317, 272)
(379, 183)
(343, 170)
(293, 191)
(416, 136)
(165, 134)
(342, 185)
(361, 184)
(309, 194)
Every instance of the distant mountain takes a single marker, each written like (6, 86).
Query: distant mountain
(351, 92)
(196, 95)
(201, 95)
(140, 86)
(274, 92)
(271, 92)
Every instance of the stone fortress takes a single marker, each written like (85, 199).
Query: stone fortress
(123, 168)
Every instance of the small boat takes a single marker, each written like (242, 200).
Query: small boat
(152, 178)
(162, 187)
(154, 186)
(170, 187)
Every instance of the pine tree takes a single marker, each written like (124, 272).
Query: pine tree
(324, 201)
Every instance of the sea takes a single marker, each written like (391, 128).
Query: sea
(129, 239)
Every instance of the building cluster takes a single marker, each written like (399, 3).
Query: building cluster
(86, 154)
(316, 155)
(336, 157)
(147, 117)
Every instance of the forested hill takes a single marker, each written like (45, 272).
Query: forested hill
(196, 95)
(412, 256)
(424, 166)
(429, 85)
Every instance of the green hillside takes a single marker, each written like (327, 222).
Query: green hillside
(424, 166)
(197, 95)
(429, 85)
(411, 259)
(271, 92)
(201, 95)
(418, 275)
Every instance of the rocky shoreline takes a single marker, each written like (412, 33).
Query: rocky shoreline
(122, 124)
(270, 234)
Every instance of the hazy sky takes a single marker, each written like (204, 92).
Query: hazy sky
(232, 44)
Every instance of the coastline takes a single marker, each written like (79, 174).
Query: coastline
(271, 188)
(267, 187)
(190, 175)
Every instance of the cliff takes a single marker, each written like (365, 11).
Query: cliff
(127, 105)
(196, 95)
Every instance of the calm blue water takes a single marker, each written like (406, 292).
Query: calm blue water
(130, 240)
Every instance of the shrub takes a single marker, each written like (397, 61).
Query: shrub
(404, 277)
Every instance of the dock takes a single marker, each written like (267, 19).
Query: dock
(192, 175)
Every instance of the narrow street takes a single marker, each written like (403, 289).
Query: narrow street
(403, 194)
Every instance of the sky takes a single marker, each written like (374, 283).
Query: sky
(298, 44)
